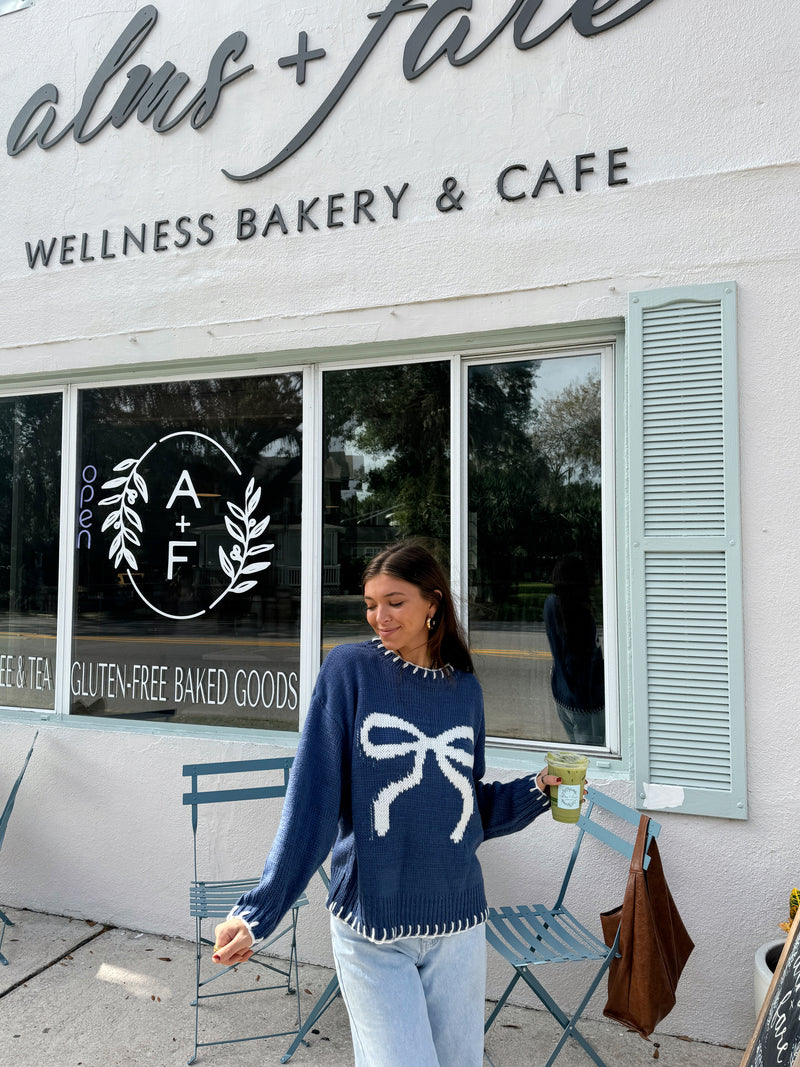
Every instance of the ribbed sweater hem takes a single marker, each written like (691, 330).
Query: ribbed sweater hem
(384, 936)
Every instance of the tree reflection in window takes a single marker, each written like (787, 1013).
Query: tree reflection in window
(534, 498)
(386, 456)
(30, 498)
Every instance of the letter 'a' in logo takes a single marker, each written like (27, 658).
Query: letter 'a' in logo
(172, 462)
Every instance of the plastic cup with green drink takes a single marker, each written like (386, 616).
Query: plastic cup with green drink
(566, 797)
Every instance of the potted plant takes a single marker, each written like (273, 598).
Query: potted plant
(768, 954)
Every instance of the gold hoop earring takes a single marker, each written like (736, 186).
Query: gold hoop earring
(429, 623)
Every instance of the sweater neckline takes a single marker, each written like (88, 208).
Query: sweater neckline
(416, 668)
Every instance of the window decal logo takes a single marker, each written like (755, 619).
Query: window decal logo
(129, 497)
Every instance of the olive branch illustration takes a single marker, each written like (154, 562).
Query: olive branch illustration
(244, 529)
(123, 518)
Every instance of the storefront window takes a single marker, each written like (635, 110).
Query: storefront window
(187, 603)
(386, 476)
(30, 492)
(535, 547)
(186, 584)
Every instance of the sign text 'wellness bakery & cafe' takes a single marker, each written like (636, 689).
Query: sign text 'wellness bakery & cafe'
(162, 96)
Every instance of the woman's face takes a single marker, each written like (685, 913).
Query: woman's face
(398, 613)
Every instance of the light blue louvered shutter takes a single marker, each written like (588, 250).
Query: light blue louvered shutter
(685, 552)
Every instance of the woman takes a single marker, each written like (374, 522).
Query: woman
(388, 771)
(577, 680)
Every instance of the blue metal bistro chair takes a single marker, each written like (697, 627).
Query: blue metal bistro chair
(528, 936)
(4, 818)
(327, 997)
(214, 899)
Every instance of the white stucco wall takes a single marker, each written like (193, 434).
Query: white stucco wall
(704, 98)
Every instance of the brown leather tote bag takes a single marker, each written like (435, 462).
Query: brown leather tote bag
(653, 944)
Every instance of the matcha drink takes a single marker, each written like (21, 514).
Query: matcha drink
(565, 799)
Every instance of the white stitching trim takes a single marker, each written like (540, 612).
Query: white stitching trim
(435, 672)
(383, 936)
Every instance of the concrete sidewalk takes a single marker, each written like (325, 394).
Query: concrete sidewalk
(78, 994)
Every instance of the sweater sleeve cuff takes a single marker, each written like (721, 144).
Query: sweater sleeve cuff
(538, 800)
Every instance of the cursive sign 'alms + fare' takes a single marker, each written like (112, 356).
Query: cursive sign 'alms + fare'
(154, 95)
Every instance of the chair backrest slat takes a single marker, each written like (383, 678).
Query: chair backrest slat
(238, 793)
(195, 797)
(617, 808)
(224, 796)
(235, 766)
(589, 825)
(609, 838)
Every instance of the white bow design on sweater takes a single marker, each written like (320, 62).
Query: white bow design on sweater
(446, 755)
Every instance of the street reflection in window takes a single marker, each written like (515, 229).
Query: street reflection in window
(30, 491)
(535, 547)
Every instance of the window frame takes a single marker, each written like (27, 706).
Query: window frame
(69, 501)
(525, 342)
(312, 659)
(607, 350)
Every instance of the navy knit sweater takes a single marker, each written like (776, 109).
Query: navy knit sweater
(388, 772)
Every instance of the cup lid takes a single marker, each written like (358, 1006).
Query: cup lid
(568, 759)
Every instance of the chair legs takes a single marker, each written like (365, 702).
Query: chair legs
(327, 998)
(289, 976)
(4, 922)
(498, 1006)
(567, 1024)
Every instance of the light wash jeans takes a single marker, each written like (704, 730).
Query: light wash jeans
(416, 1001)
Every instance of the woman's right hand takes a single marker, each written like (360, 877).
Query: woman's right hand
(232, 943)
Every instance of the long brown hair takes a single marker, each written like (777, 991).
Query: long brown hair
(412, 562)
